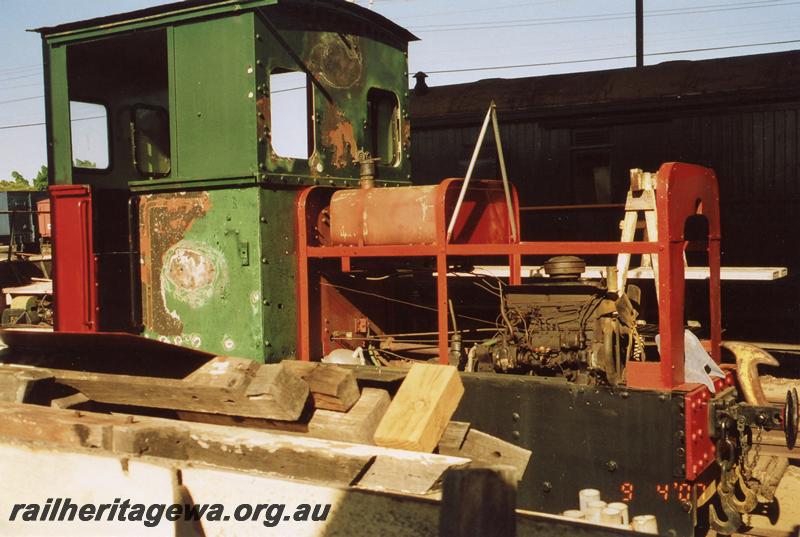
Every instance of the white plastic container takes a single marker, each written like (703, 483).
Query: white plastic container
(585, 496)
(645, 524)
(594, 510)
(623, 510)
(611, 516)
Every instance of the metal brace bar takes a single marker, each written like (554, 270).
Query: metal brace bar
(503, 173)
(471, 167)
(490, 114)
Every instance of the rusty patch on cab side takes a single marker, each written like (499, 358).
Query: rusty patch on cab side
(192, 273)
(262, 111)
(337, 61)
(338, 135)
(164, 219)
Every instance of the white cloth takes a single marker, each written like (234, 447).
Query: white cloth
(698, 365)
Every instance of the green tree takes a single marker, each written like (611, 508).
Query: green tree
(19, 179)
(80, 163)
(40, 181)
(18, 182)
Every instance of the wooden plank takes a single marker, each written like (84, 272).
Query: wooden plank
(780, 451)
(70, 401)
(16, 384)
(774, 443)
(453, 437)
(224, 372)
(296, 427)
(768, 473)
(35, 288)
(385, 378)
(90, 351)
(271, 453)
(765, 532)
(628, 232)
(279, 454)
(287, 455)
(410, 472)
(478, 502)
(357, 424)
(421, 409)
(642, 273)
(230, 386)
(787, 506)
(332, 387)
(39, 472)
(353, 512)
(488, 450)
(57, 427)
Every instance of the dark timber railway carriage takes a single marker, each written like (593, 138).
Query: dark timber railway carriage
(200, 227)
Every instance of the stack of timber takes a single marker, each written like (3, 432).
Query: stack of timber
(381, 453)
(235, 413)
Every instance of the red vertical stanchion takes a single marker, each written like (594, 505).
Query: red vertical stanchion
(74, 264)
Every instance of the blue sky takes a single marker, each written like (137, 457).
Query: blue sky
(456, 36)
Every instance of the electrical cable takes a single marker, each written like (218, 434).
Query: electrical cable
(608, 58)
(4, 127)
(22, 99)
(593, 18)
(397, 300)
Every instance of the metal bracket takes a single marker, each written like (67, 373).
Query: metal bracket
(244, 252)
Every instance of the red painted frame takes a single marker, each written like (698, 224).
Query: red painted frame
(700, 448)
(682, 190)
(74, 262)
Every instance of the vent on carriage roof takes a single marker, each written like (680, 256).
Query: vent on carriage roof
(590, 137)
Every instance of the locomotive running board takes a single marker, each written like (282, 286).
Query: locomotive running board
(100, 352)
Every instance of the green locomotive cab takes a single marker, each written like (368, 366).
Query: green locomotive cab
(200, 121)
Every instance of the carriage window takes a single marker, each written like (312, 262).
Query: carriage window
(89, 127)
(383, 118)
(290, 114)
(151, 140)
(591, 176)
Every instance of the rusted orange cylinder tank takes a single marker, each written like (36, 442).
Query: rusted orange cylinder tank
(380, 216)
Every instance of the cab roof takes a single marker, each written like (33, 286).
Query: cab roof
(196, 9)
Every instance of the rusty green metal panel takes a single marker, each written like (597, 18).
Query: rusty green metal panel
(345, 67)
(219, 56)
(172, 101)
(214, 95)
(278, 272)
(59, 137)
(200, 270)
(218, 270)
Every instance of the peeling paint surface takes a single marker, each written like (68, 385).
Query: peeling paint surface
(338, 136)
(201, 291)
(379, 216)
(164, 219)
(337, 61)
(344, 66)
(192, 273)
